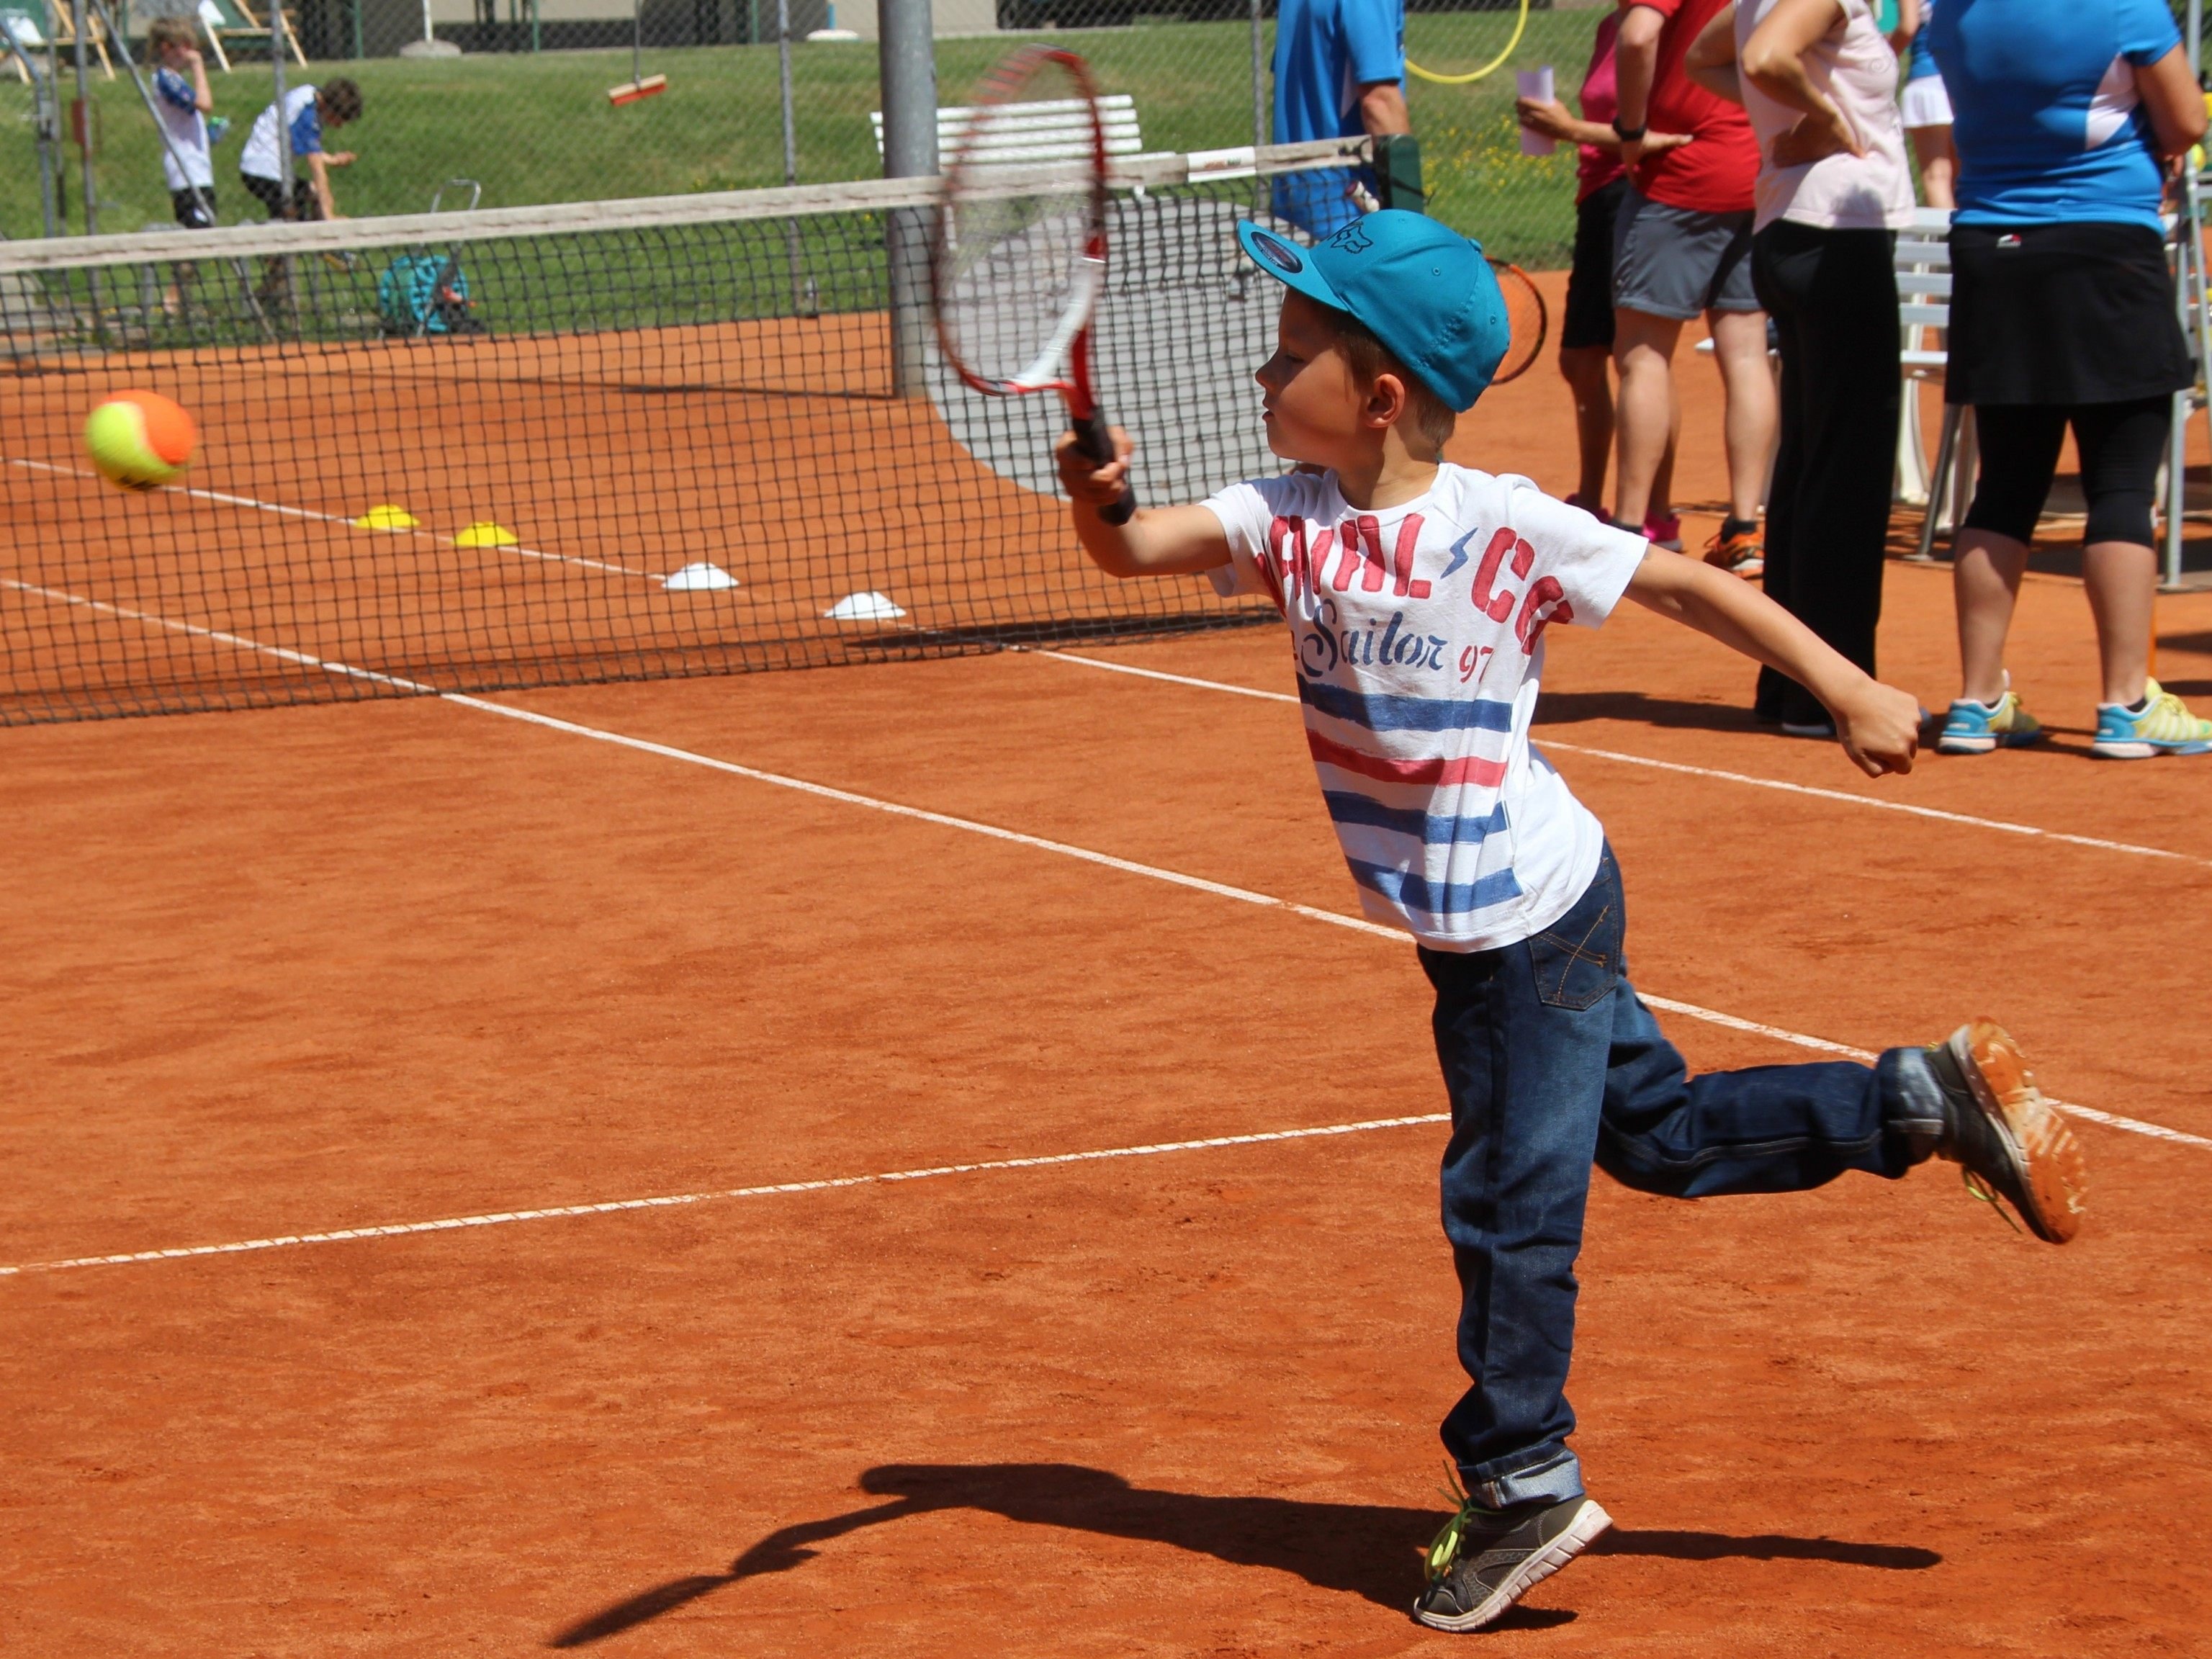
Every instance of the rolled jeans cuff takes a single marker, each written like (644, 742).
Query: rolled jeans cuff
(1913, 1107)
(1555, 1479)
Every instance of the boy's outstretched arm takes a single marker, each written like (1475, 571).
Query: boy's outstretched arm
(1877, 724)
(1160, 541)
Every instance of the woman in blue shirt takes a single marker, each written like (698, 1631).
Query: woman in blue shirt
(2062, 313)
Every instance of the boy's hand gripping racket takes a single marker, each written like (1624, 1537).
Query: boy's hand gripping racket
(1020, 259)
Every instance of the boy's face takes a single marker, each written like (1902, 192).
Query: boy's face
(1315, 406)
(175, 53)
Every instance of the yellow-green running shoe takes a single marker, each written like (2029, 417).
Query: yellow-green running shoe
(2161, 725)
(1975, 728)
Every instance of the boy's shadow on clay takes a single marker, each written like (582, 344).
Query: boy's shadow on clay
(1367, 1549)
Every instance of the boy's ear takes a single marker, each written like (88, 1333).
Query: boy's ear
(1388, 400)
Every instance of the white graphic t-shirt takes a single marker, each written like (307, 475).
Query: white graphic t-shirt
(1418, 633)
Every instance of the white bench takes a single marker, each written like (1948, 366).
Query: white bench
(1923, 303)
(1053, 130)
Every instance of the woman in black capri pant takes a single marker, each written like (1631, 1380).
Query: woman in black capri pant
(1820, 83)
(2063, 313)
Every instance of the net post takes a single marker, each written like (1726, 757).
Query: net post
(1398, 172)
(908, 60)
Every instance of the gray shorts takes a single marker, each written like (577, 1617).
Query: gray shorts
(1675, 262)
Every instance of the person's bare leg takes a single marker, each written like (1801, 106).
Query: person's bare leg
(1643, 353)
(2122, 578)
(1747, 387)
(1587, 371)
(1939, 164)
(1985, 573)
(1660, 503)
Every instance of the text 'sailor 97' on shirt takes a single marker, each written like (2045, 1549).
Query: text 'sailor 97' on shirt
(1418, 633)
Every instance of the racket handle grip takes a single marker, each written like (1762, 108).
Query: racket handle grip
(1092, 438)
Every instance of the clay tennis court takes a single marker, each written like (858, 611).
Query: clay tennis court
(290, 973)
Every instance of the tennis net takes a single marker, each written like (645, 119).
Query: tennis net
(598, 442)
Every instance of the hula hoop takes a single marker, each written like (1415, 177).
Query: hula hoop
(1476, 75)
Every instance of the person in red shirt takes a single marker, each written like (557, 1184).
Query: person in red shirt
(1586, 331)
(1682, 246)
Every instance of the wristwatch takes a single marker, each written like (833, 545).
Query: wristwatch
(1628, 135)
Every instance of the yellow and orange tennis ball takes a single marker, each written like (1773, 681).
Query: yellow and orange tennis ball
(140, 440)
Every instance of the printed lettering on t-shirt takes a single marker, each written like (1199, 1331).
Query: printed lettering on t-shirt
(1544, 604)
(1307, 564)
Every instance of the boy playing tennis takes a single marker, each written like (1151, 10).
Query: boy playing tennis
(1417, 594)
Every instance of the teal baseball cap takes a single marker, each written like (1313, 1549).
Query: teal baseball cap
(1423, 290)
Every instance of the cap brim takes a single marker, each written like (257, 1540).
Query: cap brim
(1287, 263)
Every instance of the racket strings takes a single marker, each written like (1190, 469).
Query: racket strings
(1018, 272)
(1015, 268)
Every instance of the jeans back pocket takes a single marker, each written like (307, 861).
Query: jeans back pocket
(1576, 961)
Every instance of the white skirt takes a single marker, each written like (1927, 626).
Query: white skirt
(1925, 104)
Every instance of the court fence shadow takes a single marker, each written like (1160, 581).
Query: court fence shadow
(1367, 1549)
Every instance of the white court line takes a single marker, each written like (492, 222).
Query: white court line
(672, 1200)
(283, 511)
(2004, 825)
(850, 797)
(971, 826)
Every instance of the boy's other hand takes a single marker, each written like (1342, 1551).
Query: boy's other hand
(338, 158)
(1879, 727)
(1087, 481)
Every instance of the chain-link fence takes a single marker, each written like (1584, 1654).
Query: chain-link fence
(525, 108)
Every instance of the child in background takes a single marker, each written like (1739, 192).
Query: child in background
(1586, 332)
(309, 112)
(1926, 110)
(182, 101)
(1418, 593)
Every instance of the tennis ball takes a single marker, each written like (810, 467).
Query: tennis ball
(140, 440)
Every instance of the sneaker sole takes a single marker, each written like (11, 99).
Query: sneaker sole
(2133, 750)
(1581, 1532)
(2054, 1172)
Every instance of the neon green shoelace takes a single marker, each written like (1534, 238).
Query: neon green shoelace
(1978, 1188)
(1443, 1550)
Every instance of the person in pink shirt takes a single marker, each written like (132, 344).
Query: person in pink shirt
(1586, 331)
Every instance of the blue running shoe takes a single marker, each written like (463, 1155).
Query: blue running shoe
(2163, 725)
(1975, 728)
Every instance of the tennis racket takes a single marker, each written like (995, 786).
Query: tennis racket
(1529, 319)
(1020, 257)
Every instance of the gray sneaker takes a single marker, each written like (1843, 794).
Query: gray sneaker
(1485, 1560)
(2009, 1141)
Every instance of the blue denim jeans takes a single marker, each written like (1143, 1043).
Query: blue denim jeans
(1552, 1063)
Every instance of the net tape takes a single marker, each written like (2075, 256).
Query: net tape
(561, 408)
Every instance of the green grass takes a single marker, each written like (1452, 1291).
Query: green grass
(540, 129)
